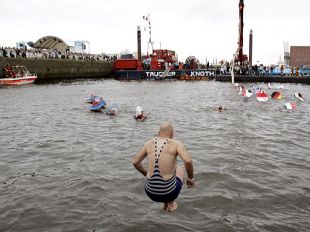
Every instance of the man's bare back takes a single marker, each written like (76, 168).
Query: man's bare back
(167, 162)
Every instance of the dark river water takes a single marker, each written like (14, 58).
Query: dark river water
(64, 168)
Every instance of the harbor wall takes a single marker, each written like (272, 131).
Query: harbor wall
(53, 69)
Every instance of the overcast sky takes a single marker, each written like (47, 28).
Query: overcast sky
(207, 29)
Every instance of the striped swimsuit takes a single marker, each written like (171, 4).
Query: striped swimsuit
(156, 187)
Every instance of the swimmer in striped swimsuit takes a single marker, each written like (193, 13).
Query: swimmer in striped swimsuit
(156, 187)
(163, 177)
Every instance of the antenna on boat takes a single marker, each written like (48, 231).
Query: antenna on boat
(148, 19)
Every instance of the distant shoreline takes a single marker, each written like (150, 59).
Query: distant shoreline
(63, 69)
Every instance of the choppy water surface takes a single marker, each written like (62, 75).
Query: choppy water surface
(63, 168)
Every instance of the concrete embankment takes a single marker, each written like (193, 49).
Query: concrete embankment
(56, 69)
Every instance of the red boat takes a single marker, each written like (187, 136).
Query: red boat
(17, 75)
(160, 64)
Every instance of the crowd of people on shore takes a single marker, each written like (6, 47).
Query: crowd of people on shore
(262, 70)
(34, 53)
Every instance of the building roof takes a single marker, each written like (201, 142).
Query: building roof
(51, 42)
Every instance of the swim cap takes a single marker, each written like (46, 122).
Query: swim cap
(138, 111)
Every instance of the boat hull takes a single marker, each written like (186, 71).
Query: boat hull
(188, 74)
(18, 80)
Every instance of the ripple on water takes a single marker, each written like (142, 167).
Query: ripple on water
(64, 168)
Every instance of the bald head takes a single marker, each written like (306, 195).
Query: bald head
(165, 127)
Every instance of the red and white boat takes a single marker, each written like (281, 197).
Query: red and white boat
(17, 75)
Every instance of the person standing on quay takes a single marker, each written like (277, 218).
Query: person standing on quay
(163, 177)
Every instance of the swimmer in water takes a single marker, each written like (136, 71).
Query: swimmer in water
(139, 115)
(221, 109)
(111, 111)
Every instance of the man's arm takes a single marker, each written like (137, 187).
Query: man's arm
(136, 161)
(188, 163)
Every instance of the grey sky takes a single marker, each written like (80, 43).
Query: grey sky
(203, 28)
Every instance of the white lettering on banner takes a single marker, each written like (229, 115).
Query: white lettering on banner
(198, 73)
(201, 73)
(159, 74)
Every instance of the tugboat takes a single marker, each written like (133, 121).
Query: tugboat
(161, 64)
(17, 75)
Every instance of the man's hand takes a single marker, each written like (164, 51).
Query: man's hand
(190, 183)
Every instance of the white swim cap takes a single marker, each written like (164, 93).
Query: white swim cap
(138, 111)
(299, 96)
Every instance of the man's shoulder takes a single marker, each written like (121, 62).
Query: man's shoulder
(176, 142)
(150, 141)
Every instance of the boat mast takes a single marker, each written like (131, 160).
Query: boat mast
(148, 19)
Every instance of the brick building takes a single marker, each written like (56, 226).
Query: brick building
(300, 55)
